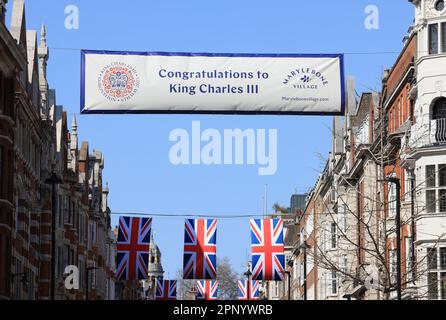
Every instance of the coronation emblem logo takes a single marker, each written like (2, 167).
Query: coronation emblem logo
(118, 82)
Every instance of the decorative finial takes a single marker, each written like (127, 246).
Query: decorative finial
(74, 123)
(43, 36)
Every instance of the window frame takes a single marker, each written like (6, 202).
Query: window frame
(435, 195)
(437, 271)
(333, 236)
(431, 38)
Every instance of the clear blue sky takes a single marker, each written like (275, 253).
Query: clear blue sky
(136, 147)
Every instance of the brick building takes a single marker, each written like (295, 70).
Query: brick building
(349, 222)
(34, 142)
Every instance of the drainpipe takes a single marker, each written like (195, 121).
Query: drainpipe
(412, 217)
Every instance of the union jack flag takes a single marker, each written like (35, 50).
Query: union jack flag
(207, 289)
(133, 248)
(267, 249)
(166, 290)
(248, 290)
(200, 260)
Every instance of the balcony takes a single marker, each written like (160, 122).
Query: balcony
(437, 131)
(440, 130)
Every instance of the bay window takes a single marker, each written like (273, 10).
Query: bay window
(436, 188)
(433, 38)
(437, 38)
(436, 277)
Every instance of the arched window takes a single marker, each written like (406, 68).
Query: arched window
(439, 109)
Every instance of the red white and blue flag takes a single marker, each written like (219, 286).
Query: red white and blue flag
(166, 290)
(267, 249)
(133, 248)
(200, 259)
(207, 289)
(248, 290)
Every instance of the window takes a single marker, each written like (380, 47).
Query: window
(333, 283)
(435, 188)
(59, 261)
(295, 271)
(334, 236)
(443, 37)
(310, 263)
(439, 109)
(392, 269)
(81, 266)
(301, 274)
(309, 224)
(407, 186)
(432, 259)
(343, 217)
(93, 232)
(432, 284)
(343, 266)
(430, 201)
(391, 200)
(436, 278)
(439, 5)
(93, 276)
(430, 176)
(433, 38)
(65, 208)
(408, 257)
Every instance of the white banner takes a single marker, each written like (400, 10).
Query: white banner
(157, 82)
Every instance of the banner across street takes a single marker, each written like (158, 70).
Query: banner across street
(162, 82)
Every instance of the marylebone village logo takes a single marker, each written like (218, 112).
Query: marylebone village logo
(305, 78)
(118, 82)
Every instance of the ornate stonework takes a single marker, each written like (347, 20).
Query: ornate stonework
(431, 11)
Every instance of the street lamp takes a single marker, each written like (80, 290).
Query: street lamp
(304, 246)
(88, 282)
(23, 279)
(288, 273)
(53, 179)
(396, 181)
(248, 275)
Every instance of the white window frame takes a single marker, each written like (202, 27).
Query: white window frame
(332, 283)
(440, 272)
(392, 265)
(333, 236)
(391, 198)
(441, 45)
(436, 188)
(343, 266)
(342, 218)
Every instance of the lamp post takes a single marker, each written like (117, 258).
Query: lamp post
(53, 180)
(23, 279)
(88, 282)
(288, 273)
(396, 181)
(248, 275)
(304, 246)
